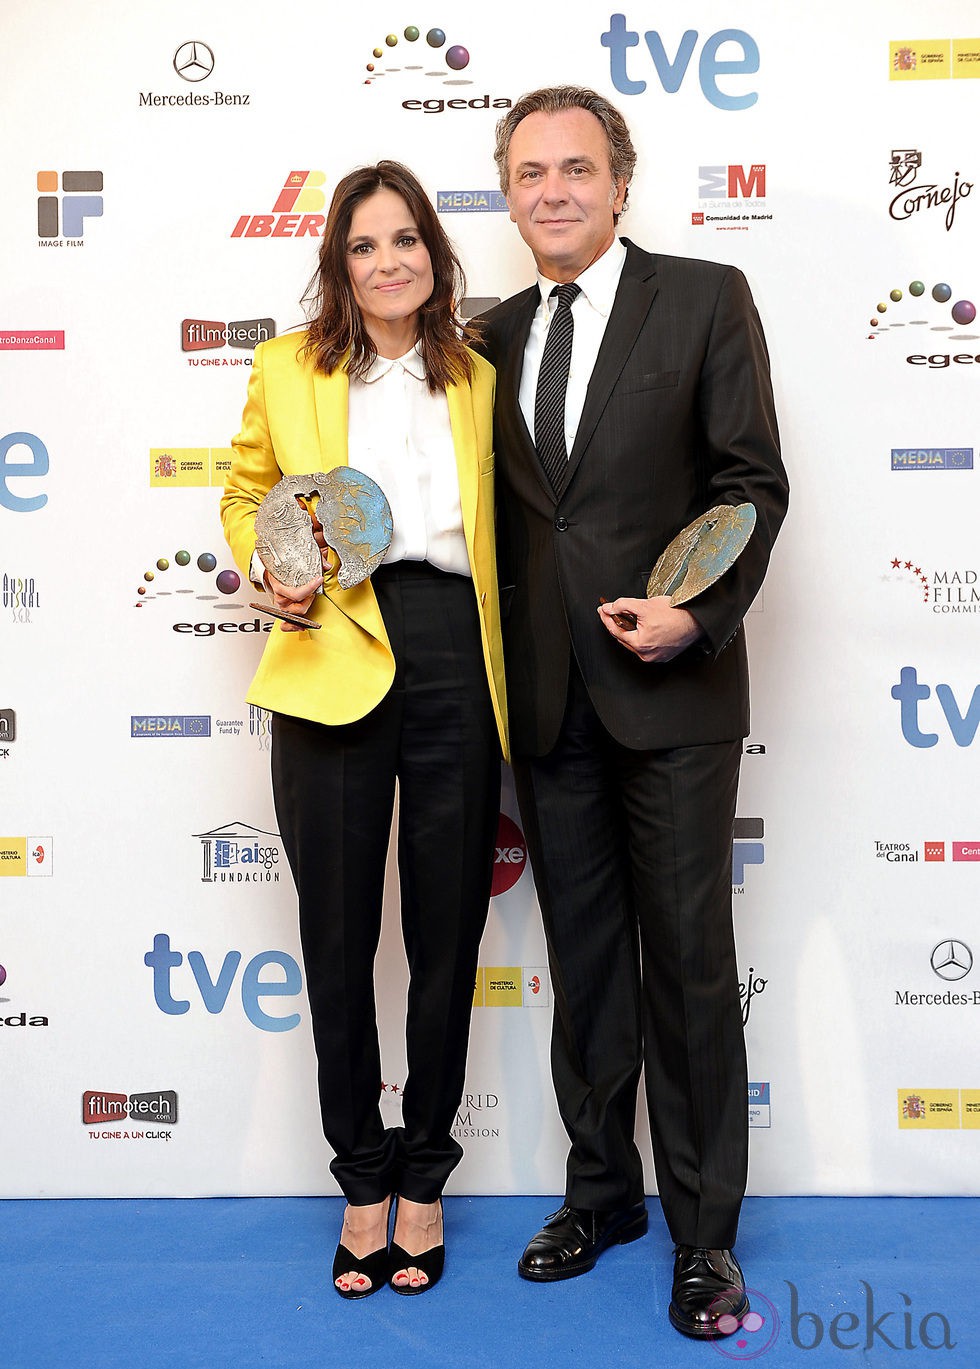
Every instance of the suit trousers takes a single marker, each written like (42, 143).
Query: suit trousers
(334, 793)
(632, 854)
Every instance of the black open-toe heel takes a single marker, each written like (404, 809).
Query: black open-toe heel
(431, 1262)
(374, 1267)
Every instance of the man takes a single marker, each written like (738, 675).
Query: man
(653, 405)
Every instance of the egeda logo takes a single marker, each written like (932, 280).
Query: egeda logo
(214, 990)
(909, 694)
(727, 53)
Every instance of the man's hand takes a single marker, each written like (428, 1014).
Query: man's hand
(292, 598)
(661, 633)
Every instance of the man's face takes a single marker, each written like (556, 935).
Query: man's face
(561, 192)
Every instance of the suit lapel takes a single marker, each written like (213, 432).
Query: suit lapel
(509, 386)
(330, 400)
(634, 299)
(460, 401)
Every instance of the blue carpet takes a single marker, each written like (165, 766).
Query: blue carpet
(246, 1282)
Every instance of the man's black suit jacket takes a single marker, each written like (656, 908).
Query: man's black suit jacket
(678, 417)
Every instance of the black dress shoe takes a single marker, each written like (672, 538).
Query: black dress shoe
(708, 1296)
(573, 1238)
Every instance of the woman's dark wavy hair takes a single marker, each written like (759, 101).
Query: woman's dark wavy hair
(336, 335)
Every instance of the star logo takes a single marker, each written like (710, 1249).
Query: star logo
(193, 61)
(951, 960)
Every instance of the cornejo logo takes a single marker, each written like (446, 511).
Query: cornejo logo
(913, 196)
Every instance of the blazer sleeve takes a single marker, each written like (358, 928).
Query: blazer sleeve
(740, 452)
(254, 471)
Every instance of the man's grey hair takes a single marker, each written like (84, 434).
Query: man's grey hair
(554, 100)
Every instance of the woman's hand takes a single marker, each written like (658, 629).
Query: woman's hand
(291, 598)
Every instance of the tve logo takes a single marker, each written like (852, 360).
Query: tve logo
(21, 470)
(741, 59)
(909, 693)
(214, 992)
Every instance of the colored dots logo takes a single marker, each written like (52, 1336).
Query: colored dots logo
(397, 52)
(226, 582)
(751, 1335)
(963, 312)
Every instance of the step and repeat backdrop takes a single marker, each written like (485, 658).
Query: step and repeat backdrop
(166, 172)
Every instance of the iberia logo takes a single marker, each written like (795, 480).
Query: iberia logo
(295, 213)
(456, 57)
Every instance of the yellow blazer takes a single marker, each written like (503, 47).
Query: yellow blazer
(295, 422)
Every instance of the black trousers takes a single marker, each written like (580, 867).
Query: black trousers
(632, 856)
(334, 794)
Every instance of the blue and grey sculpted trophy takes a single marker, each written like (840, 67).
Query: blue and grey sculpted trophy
(356, 520)
(698, 556)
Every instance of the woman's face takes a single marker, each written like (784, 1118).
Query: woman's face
(390, 270)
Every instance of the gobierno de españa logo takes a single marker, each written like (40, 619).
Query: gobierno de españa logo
(456, 57)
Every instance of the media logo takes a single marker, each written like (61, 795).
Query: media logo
(747, 848)
(189, 468)
(933, 316)
(510, 856)
(170, 725)
(909, 694)
(295, 213)
(193, 577)
(934, 59)
(732, 198)
(951, 960)
(210, 335)
(913, 196)
(932, 458)
(938, 1109)
(61, 220)
(129, 1117)
(11, 469)
(215, 988)
(19, 596)
(238, 853)
(193, 61)
(511, 986)
(727, 53)
(760, 1110)
(952, 590)
(30, 856)
(470, 202)
(34, 340)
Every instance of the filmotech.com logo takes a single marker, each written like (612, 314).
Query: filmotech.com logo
(130, 1117)
(212, 335)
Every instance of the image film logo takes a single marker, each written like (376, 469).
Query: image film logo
(747, 848)
(387, 53)
(295, 214)
(80, 199)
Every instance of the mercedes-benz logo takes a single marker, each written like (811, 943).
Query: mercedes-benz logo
(951, 960)
(193, 61)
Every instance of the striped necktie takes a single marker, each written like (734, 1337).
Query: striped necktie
(549, 400)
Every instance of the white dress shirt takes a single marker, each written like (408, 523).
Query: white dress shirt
(590, 311)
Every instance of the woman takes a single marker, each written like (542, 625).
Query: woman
(404, 679)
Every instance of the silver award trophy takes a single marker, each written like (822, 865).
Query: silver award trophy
(356, 520)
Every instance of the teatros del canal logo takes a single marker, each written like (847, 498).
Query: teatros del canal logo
(913, 195)
(170, 725)
(931, 852)
(929, 308)
(239, 853)
(960, 723)
(296, 213)
(731, 198)
(932, 458)
(952, 590)
(66, 199)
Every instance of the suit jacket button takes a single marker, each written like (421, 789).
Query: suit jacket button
(561, 525)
